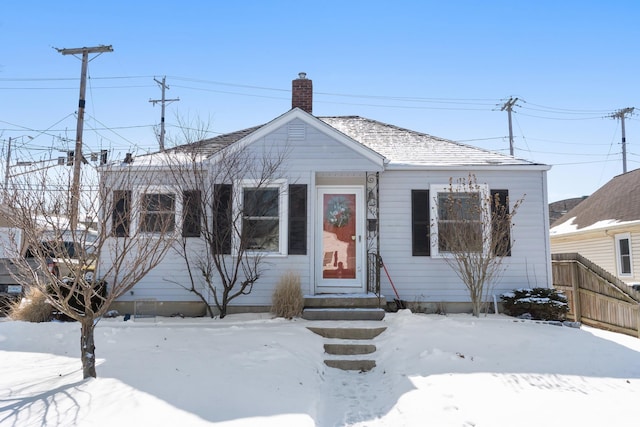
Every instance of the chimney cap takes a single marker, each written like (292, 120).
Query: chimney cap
(302, 75)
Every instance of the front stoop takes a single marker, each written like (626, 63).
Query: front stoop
(344, 307)
(347, 352)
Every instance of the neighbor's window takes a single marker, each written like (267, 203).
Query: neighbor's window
(262, 227)
(157, 212)
(623, 249)
(459, 221)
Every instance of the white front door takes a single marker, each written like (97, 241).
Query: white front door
(340, 240)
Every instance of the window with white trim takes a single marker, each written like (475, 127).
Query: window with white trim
(623, 254)
(264, 213)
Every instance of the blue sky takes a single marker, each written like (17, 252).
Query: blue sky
(442, 68)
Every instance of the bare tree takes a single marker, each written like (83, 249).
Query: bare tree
(231, 196)
(83, 270)
(472, 232)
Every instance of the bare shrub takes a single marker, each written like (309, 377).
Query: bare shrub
(288, 300)
(229, 195)
(32, 308)
(473, 233)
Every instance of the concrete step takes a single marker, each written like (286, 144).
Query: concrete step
(344, 301)
(348, 333)
(349, 349)
(343, 314)
(351, 364)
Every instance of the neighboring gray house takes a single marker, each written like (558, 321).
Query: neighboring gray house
(387, 179)
(605, 228)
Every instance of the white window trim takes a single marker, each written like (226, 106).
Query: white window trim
(434, 189)
(283, 213)
(136, 208)
(618, 238)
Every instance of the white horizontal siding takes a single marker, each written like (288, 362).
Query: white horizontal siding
(416, 278)
(431, 278)
(600, 248)
(317, 152)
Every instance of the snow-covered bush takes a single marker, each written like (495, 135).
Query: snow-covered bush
(288, 300)
(536, 303)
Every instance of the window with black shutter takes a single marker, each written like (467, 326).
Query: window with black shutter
(297, 219)
(191, 213)
(500, 223)
(222, 218)
(120, 216)
(420, 228)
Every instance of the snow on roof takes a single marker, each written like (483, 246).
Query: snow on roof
(616, 202)
(410, 148)
(570, 226)
(402, 147)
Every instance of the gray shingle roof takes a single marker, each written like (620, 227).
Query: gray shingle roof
(406, 147)
(618, 200)
(402, 147)
(210, 146)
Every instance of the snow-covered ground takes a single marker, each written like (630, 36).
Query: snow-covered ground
(252, 370)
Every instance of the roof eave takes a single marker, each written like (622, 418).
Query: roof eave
(492, 167)
(596, 230)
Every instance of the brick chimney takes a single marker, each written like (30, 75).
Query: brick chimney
(302, 93)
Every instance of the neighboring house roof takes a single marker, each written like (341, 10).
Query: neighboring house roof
(561, 207)
(618, 201)
(402, 148)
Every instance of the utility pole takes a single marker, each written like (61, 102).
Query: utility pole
(6, 169)
(621, 114)
(75, 187)
(509, 106)
(163, 102)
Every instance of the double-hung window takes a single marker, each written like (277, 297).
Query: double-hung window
(157, 212)
(264, 210)
(623, 252)
(459, 220)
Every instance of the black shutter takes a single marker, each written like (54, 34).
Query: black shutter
(500, 223)
(191, 213)
(297, 219)
(120, 215)
(420, 227)
(222, 219)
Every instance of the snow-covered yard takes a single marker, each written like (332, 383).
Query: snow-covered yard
(252, 370)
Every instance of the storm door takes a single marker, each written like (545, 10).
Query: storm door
(340, 240)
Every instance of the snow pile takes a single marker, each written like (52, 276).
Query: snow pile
(251, 370)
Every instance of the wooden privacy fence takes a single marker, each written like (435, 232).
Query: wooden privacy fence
(596, 297)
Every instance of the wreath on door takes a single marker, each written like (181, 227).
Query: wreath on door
(338, 211)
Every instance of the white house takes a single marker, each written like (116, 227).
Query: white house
(362, 187)
(605, 228)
